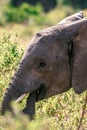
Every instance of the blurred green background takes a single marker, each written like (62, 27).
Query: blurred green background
(20, 20)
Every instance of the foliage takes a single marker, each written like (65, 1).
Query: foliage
(22, 13)
(31, 14)
(9, 59)
(47, 5)
(34, 14)
(60, 112)
(76, 3)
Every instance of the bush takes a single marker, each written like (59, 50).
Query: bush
(21, 14)
(9, 59)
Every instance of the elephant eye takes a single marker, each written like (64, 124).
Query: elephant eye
(41, 66)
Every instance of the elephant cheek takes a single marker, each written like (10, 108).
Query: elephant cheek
(58, 88)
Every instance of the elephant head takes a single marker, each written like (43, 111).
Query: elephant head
(55, 61)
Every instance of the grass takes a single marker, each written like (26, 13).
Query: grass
(60, 112)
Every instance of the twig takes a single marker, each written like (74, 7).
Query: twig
(3, 74)
(83, 112)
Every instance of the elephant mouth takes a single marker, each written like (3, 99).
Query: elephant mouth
(40, 92)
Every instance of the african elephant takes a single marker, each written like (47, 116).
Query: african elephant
(55, 61)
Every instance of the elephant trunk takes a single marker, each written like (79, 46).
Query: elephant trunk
(14, 91)
(11, 94)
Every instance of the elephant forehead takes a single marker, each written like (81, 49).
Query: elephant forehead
(40, 50)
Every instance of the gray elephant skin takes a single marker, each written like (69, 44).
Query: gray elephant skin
(55, 61)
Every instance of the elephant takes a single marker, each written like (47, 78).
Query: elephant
(54, 62)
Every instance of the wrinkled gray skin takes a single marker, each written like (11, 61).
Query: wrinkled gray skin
(55, 60)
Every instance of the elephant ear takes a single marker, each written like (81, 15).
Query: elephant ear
(77, 33)
(72, 18)
(79, 70)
